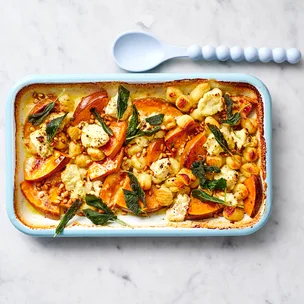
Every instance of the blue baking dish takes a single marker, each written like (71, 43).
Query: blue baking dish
(129, 232)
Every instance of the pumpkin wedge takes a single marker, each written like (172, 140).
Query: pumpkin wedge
(112, 193)
(201, 210)
(98, 170)
(254, 200)
(154, 150)
(36, 168)
(194, 150)
(113, 146)
(42, 204)
(97, 100)
(149, 105)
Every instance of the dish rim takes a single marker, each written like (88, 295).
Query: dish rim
(147, 77)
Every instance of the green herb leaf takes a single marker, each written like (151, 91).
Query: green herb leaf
(219, 138)
(99, 218)
(143, 133)
(198, 169)
(53, 126)
(212, 169)
(216, 184)
(232, 119)
(133, 123)
(38, 118)
(136, 187)
(103, 125)
(205, 197)
(97, 202)
(155, 119)
(132, 201)
(71, 212)
(122, 101)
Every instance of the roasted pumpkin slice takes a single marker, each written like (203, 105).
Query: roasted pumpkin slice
(194, 150)
(149, 105)
(201, 210)
(154, 150)
(254, 200)
(113, 146)
(97, 100)
(112, 193)
(98, 170)
(42, 204)
(37, 168)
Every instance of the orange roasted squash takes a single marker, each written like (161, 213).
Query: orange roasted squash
(113, 146)
(97, 100)
(154, 150)
(194, 150)
(98, 170)
(36, 168)
(42, 204)
(201, 210)
(254, 200)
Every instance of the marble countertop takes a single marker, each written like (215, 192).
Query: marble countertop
(73, 36)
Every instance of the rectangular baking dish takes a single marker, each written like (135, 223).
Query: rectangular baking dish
(83, 231)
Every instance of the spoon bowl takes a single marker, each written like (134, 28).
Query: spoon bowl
(137, 51)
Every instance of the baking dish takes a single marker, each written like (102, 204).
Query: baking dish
(84, 230)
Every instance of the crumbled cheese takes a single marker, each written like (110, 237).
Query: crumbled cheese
(231, 176)
(111, 108)
(228, 135)
(228, 198)
(240, 138)
(94, 136)
(73, 179)
(212, 146)
(161, 169)
(179, 209)
(39, 143)
(211, 103)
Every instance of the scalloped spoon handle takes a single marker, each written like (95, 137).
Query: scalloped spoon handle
(250, 54)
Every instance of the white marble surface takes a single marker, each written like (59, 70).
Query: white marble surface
(74, 36)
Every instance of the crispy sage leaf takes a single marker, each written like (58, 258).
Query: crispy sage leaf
(155, 119)
(143, 133)
(133, 124)
(212, 169)
(103, 125)
(97, 202)
(122, 101)
(99, 218)
(132, 201)
(136, 187)
(68, 216)
(38, 118)
(219, 137)
(53, 126)
(198, 169)
(232, 119)
(216, 184)
(205, 197)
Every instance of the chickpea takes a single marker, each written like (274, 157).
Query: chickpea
(249, 124)
(234, 162)
(138, 162)
(160, 134)
(196, 114)
(185, 121)
(171, 183)
(96, 154)
(169, 122)
(217, 161)
(240, 191)
(175, 166)
(172, 94)
(62, 142)
(250, 154)
(74, 133)
(134, 149)
(164, 196)
(145, 180)
(74, 149)
(233, 214)
(249, 168)
(82, 161)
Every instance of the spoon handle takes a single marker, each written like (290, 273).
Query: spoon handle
(250, 54)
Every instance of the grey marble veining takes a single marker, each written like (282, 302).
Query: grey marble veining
(73, 36)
